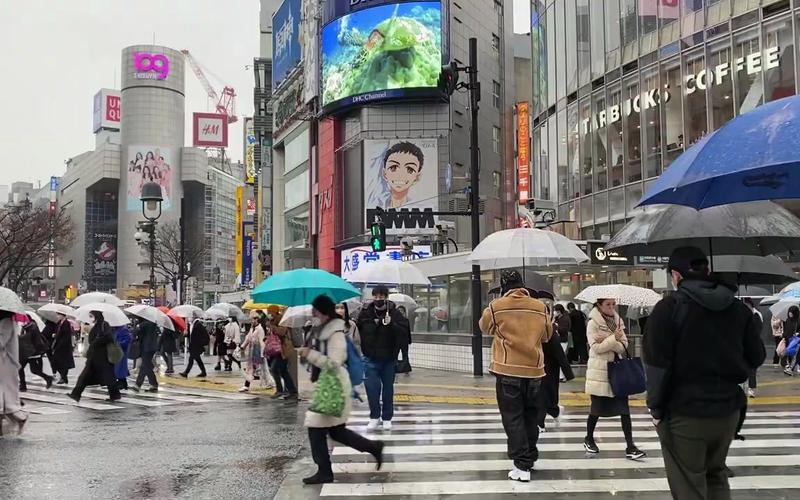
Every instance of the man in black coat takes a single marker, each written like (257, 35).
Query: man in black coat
(61, 356)
(579, 342)
(700, 344)
(383, 330)
(98, 370)
(32, 347)
(198, 340)
(555, 363)
(148, 345)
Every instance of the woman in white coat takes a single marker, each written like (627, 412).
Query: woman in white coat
(328, 351)
(606, 335)
(10, 406)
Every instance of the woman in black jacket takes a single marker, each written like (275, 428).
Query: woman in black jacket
(61, 357)
(98, 370)
(32, 347)
(790, 328)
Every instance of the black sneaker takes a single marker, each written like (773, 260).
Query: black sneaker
(152, 389)
(738, 437)
(184, 374)
(590, 445)
(634, 453)
(318, 479)
(379, 455)
(277, 395)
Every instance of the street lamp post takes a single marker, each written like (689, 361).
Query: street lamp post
(151, 210)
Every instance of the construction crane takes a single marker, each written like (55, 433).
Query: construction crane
(226, 102)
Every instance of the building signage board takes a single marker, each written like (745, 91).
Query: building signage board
(209, 130)
(239, 244)
(600, 256)
(250, 141)
(104, 258)
(247, 260)
(149, 66)
(287, 52)
(288, 104)
(107, 110)
(356, 258)
(651, 260)
(523, 152)
(150, 163)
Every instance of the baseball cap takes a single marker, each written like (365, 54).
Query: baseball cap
(687, 259)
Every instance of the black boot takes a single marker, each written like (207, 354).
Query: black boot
(319, 478)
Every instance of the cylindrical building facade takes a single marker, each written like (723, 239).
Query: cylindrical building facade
(152, 135)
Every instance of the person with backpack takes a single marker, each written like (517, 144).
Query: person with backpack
(701, 343)
(280, 350)
(32, 347)
(327, 353)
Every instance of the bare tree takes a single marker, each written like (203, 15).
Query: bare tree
(167, 256)
(27, 236)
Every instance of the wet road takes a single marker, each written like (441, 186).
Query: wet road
(208, 449)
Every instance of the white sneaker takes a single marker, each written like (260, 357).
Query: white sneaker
(751, 393)
(373, 424)
(244, 388)
(387, 425)
(557, 420)
(519, 475)
(541, 430)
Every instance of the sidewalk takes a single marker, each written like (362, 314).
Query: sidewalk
(434, 386)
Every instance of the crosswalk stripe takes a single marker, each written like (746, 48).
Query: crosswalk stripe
(45, 410)
(206, 394)
(68, 402)
(451, 449)
(98, 394)
(400, 411)
(552, 464)
(434, 418)
(541, 486)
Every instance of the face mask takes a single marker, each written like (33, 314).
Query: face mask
(379, 303)
(316, 322)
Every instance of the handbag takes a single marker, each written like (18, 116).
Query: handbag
(626, 375)
(781, 349)
(328, 395)
(273, 347)
(114, 352)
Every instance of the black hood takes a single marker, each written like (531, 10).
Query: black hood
(709, 294)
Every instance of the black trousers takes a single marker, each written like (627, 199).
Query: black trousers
(166, 353)
(318, 438)
(146, 370)
(518, 400)
(106, 377)
(36, 369)
(775, 358)
(279, 368)
(548, 399)
(198, 358)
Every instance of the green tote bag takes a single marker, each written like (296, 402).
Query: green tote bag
(328, 395)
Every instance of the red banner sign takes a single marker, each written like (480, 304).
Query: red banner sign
(523, 152)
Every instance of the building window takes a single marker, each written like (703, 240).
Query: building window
(496, 139)
(496, 43)
(496, 94)
(496, 182)
(498, 224)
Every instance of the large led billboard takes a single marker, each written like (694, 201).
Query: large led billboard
(383, 52)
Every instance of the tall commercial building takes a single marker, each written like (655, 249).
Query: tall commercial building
(620, 88)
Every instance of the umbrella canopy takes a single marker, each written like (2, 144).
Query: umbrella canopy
(151, 314)
(215, 314)
(296, 317)
(787, 300)
(187, 311)
(302, 286)
(178, 321)
(390, 272)
(753, 270)
(10, 301)
(97, 298)
(36, 319)
(112, 314)
(755, 156)
(257, 306)
(758, 228)
(526, 247)
(50, 312)
(230, 310)
(625, 295)
(401, 299)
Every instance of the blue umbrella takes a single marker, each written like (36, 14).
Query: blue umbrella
(301, 286)
(755, 156)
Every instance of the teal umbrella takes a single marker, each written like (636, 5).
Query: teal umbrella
(301, 286)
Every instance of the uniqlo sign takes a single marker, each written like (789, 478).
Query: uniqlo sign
(107, 110)
(210, 130)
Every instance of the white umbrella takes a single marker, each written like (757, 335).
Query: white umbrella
(401, 299)
(9, 301)
(625, 295)
(187, 311)
(296, 317)
(151, 314)
(787, 299)
(229, 310)
(51, 311)
(97, 298)
(768, 301)
(112, 314)
(36, 319)
(526, 247)
(215, 314)
(390, 272)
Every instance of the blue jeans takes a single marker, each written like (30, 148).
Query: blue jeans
(379, 383)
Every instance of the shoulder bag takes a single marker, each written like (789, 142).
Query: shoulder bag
(626, 375)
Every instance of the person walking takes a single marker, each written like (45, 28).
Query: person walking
(382, 330)
(98, 370)
(607, 340)
(230, 340)
(520, 325)
(32, 348)
(167, 345)
(123, 337)
(578, 328)
(351, 332)
(555, 364)
(701, 344)
(328, 351)
(219, 348)
(561, 326)
(10, 406)
(282, 351)
(62, 351)
(403, 365)
(252, 349)
(198, 340)
(758, 324)
(777, 334)
(790, 328)
(148, 344)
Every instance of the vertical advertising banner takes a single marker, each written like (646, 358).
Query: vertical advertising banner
(107, 110)
(401, 176)
(249, 151)
(150, 164)
(239, 229)
(523, 152)
(104, 254)
(285, 40)
(247, 260)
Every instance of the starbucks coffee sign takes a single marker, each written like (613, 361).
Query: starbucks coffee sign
(702, 80)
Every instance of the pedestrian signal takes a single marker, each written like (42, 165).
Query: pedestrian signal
(377, 239)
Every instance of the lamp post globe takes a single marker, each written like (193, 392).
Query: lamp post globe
(151, 199)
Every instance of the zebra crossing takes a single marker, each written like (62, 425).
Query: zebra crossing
(461, 452)
(54, 401)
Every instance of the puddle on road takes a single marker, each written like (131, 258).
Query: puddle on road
(268, 464)
(157, 486)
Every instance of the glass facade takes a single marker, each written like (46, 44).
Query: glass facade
(622, 87)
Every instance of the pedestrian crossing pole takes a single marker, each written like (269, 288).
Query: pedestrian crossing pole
(474, 97)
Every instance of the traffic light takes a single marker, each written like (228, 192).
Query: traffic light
(377, 239)
(448, 79)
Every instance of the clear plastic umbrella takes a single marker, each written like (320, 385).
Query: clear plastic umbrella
(401, 299)
(229, 310)
(187, 311)
(151, 314)
(523, 247)
(50, 312)
(36, 319)
(113, 315)
(10, 301)
(296, 317)
(389, 272)
(97, 297)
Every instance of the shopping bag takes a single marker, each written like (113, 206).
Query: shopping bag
(781, 349)
(328, 395)
(626, 376)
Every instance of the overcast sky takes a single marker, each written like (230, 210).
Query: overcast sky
(58, 53)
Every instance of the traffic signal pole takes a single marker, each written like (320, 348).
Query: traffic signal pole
(474, 97)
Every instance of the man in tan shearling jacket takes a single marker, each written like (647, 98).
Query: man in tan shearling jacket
(519, 324)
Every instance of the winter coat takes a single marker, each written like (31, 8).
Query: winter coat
(555, 361)
(562, 325)
(603, 345)
(31, 342)
(148, 338)
(777, 327)
(232, 333)
(123, 337)
(577, 322)
(701, 343)
(9, 367)
(332, 355)
(62, 347)
(198, 337)
(287, 347)
(379, 341)
(167, 342)
(98, 370)
(519, 324)
(253, 347)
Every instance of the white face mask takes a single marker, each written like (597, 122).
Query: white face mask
(316, 322)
